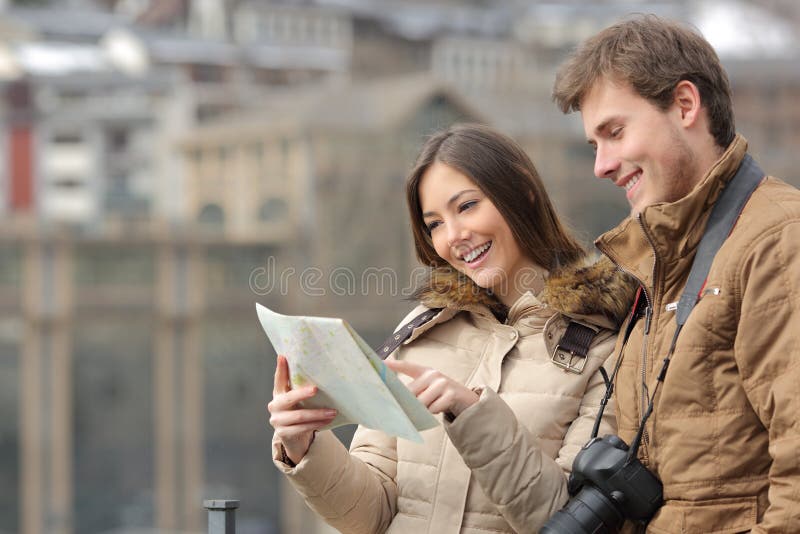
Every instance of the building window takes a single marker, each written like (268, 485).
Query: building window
(67, 138)
(113, 427)
(117, 139)
(68, 183)
(231, 268)
(123, 266)
(207, 73)
(211, 215)
(10, 398)
(273, 210)
(10, 265)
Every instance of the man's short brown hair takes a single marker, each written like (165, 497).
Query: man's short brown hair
(652, 55)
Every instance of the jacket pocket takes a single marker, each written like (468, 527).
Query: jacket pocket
(713, 516)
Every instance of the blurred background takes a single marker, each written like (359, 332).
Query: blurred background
(166, 164)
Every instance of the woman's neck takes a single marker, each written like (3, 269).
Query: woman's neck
(529, 278)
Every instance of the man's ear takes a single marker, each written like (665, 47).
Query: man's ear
(687, 102)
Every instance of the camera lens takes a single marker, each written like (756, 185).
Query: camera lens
(588, 512)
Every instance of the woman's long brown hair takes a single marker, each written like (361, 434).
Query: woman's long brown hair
(507, 176)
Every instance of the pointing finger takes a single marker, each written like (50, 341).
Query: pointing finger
(407, 368)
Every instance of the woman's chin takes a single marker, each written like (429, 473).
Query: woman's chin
(494, 280)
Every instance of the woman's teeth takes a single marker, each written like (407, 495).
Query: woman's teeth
(473, 254)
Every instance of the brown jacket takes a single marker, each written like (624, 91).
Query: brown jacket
(724, 437)
(500, 466)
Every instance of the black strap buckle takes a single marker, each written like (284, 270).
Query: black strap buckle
(573, 347)
(568, 360)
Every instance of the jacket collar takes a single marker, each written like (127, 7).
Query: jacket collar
(598, 293)
(670, 230)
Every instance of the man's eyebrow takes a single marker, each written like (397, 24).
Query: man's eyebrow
(601, 128)
(449, 202)
(604, 125)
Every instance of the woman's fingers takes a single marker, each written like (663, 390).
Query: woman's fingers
(436, 389)
(292, 418)
(422, 376)
(441, 404)
(290, 399)
(431, 387)
(294, 426)
(407, 368)
(446, 395)
(282, 384)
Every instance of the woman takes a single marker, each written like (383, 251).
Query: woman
(509, 280)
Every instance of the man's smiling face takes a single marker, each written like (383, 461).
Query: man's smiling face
(641, 148)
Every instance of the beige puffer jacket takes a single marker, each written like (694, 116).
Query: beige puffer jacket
(500, 466)
(724, 436)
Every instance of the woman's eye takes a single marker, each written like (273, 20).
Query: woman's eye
(467, 205)
(616, 132)
(432, 225)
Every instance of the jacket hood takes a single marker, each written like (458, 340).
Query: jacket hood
(580, 289)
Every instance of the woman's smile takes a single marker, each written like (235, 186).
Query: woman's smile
(475, 256)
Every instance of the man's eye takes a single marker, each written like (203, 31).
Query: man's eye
(616, 132)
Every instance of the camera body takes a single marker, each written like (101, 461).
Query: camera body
(607, 488)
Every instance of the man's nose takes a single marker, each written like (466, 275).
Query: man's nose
(606, 164)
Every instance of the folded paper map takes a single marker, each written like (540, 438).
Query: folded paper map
(349, 376)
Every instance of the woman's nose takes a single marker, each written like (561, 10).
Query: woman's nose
(455, 233)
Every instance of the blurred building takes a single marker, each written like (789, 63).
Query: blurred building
(134, 363)
(82, 147)
(310, 168)
(765, 103)
(143, 375)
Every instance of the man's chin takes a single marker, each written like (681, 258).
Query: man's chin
(637, 207)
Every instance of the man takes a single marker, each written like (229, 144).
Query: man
(724, 435)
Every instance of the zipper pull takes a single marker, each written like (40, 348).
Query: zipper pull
(648, 314)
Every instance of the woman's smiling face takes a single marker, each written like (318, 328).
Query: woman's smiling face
(468, 231)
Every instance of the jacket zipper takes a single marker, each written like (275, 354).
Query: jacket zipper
(649, 311)
(648, 315)
(648, 318)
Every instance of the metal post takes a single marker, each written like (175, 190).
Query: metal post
(221, 516)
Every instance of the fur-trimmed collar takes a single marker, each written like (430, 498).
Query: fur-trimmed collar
(580, 289)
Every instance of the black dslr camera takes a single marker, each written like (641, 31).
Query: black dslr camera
(608, 486)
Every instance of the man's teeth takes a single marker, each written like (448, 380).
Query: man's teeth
(470, 256)
(633, 181)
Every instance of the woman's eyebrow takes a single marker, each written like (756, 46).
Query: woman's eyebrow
(452, 199)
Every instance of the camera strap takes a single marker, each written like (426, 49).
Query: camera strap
(637, 310)
(723, 218)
